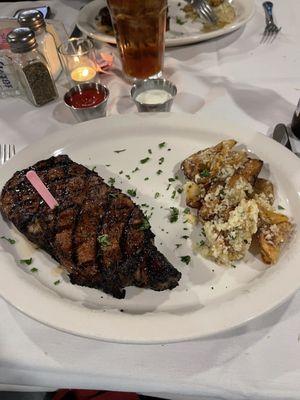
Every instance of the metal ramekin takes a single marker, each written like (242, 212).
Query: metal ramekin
(87, 113)
(160, 84)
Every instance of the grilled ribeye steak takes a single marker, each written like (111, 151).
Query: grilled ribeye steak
(96, 232)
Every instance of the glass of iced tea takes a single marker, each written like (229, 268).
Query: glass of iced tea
(140, 33)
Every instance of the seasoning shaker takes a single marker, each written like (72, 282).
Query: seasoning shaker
(9, 86)
(31, 67)
(34, 20)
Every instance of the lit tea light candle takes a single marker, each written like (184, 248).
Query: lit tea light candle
(83, 74)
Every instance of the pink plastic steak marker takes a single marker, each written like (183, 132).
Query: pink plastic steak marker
(41, 189)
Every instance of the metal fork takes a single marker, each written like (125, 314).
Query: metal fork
(204, 10)
(271, 29)
(7, 151)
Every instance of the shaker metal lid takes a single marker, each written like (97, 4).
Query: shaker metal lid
(32, 19)
(21, 40)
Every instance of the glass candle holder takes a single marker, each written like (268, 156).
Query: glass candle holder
(78, 60)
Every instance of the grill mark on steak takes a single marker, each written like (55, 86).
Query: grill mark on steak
(88, 207)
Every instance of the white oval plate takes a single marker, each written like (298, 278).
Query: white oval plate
(209, 298)
(178, 35)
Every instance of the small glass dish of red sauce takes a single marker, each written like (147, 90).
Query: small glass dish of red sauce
(87, 100)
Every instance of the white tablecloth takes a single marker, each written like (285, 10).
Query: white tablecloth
(233, 78)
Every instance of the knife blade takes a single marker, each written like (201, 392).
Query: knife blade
(281, 135)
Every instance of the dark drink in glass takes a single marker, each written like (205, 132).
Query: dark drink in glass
(140, 33)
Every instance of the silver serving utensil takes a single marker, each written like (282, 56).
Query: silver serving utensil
(271, 29)
(204, 10)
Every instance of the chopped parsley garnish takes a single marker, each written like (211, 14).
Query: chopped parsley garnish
(179, 190)
(149, 151)
(185, 229)
(161, 160)
(280, 207)
(56, 282)
(157, 194)
(233, 266)
(107, 165)
(33, 270)
(204, 173)
(201, 243)
(168, 187)
(171, 179)
(185, 237)
(27, 261)
(147, 178)
(9, 240)
(121, 172)
(178, 245)
(145, 205)
(159, 172)
(144, 160)
(145, 224)
(93, 169)
(103, 240)
(186, 259)
(131, 192)
(135, 169)
(161, 145)
(111, 181)
(179, 21)
(186, 211)
(128, 176)
(112, 195)
(174, 212)
(119, 151)
(173, 194)
(169, 149)
(203, 232)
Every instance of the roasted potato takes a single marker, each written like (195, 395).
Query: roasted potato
(248, 171)
(271, 238)
(265, 187)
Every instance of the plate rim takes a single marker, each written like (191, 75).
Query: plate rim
(89, 30)
(190, 120)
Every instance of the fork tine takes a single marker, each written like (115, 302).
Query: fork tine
(264, 35)
(206, 11)
(210, 13)
(276, 33)
(272, 34)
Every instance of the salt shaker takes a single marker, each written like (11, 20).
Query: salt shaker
(34, 20)
(31, 67)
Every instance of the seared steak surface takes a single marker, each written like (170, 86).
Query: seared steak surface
(96, 232)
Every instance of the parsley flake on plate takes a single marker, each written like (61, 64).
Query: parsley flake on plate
(280, 207)
(33, 269)
(56, 282)
(9, 240)
(144, 160)
(186, 259)
(161, 160)
(147, 178)
(157, 194)
(174, 212)
(27, 261)
(119, 151)
(159, 172)
(131, 192)
(161, 145)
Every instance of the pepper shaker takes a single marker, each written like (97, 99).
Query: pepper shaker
(31, 67)
(34, 20)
